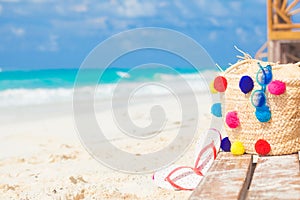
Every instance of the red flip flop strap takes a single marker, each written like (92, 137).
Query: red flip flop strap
(217, 132)
(207, 147)
(199, 168)
(173, 183)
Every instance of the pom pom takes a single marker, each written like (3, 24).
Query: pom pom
(216, 109)
(226, 144)
(232, 119)
(220, 83)
(262, 147)
(277, 87)
(212, 88)
(263, 114)
(258, 98)
(237, 148)
(246, 84)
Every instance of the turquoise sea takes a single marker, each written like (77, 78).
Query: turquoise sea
(65, 78)
(23, 87)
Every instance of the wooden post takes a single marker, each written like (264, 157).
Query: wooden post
(282, 39)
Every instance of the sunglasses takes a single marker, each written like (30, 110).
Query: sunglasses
(258, 98)
(264, 76)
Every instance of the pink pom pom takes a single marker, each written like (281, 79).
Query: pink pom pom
(277, 87)
(232, 119)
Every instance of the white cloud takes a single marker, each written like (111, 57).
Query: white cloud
(10, 1)
(241, 33)
(214, 21)
(135, 8)
(184, 9)
(63, 9)
(60, 9)
(80, 8)
(89, 26)
(213, 35)
(120, 24)
(163, 4)
(218, 9)
(201, 3)
(19, 32)
(212, 7)
(99, 22)
(39, 1)
(1, 9)
(258, 31)
(50, 45)
(235, 6)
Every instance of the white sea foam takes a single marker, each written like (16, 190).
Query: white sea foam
(21, 97)
(123, 74)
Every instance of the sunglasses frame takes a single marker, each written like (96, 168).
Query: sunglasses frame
(269, 67)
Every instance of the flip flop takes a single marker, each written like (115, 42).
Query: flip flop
(205, 156)
(185, 177)
(177, 177)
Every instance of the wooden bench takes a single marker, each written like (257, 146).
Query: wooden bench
(251, 177)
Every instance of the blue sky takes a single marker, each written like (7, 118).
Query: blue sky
(59, 34)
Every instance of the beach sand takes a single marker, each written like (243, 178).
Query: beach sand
(41, 155)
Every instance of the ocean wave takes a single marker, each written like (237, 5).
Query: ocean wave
(162, 84)
(123, 74)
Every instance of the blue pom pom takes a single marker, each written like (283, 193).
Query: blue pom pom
(226, 144)
(263, 114)
(216, 109)
(246, 84)
(258, 98)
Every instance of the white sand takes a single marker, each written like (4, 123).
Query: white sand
(41, 156)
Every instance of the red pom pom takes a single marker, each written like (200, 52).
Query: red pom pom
(220, 83)
(232, 119)
(277, 87)
(262, 147)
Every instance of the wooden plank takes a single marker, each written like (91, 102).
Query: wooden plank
(261, 51)
(228, 178)
(292, 5)
(275, 16)
(276, 177)
(282, 15)
(284, 35)
(294, 12)
(286, 26)
(283, 5)
(269, 18)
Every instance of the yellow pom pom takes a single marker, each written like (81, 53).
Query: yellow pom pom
(212, 88)
(237, 148)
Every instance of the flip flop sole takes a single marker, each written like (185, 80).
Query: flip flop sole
(185, 177)
(180, 178)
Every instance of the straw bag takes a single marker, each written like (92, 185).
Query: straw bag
(269, 123)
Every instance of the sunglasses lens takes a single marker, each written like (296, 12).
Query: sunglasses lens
(264, 76)
(258, 98)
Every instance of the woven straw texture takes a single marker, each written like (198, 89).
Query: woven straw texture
(283, 130)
